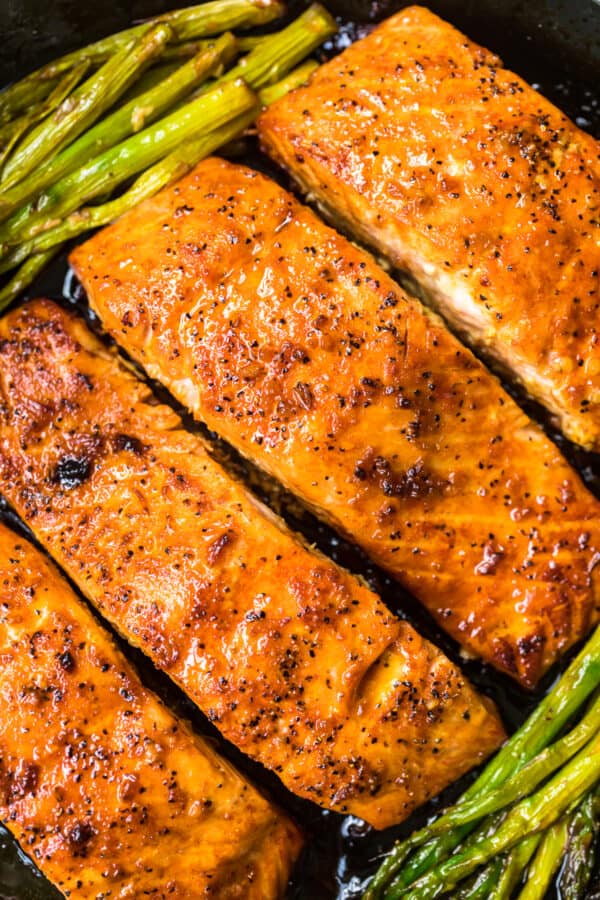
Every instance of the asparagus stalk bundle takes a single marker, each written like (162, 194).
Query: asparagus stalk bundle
(85, 105)
(60, 178)
(204, 20)
(128, 119)
(534, 809)
(12, 132)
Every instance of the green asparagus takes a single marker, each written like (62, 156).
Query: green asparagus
(547, 721)
(203, 20)
(25, 95)
(547, 860)
(483, 883)
(17, 128)
(530, 816)
(45, 197)
(296, 78)
(515, 863)
(85, 105)
(279, 52)
(126, 120)
(128, 158)
(25, 275)
(133, 155)
(581, 857)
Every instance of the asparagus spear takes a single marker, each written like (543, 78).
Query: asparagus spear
(548, 719)
(251, 41)
(160, 71)
(190, 48)
(36, 111)
(580, 858)
(530, 816)
(14, 131)
(296, 78)
(25, 275)
(85, 105)
(136, 153)
(278, 53)
(26, 97)
(221, 15)
(515, 864)
(547, 860)
(483, 883)
(140, 111)
(194, 22)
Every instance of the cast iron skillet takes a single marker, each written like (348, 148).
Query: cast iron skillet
(554, 44)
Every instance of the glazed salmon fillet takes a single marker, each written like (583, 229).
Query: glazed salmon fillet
(103, 787)
(426, 148)
(299, 350)
(292, 658)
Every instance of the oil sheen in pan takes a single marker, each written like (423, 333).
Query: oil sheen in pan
(341, 850)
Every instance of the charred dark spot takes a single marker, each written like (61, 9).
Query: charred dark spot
(72, 471)
(130, 444)
(24, 781)
(35, 637)
(554, 572)
(411, 483)
(505, 655)
(79, 838)
(183, 210)
(216, 548)
(254, 615)
(66, 661)
(86, 381)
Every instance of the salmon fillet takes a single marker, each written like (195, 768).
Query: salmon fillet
(106, 790)
(426, 148)
(297, 348)
(293, 659)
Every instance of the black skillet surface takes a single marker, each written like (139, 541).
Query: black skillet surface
(554, 44)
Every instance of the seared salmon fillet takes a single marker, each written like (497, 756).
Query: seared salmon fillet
(426, 148)
(293, 659)
(297, 348)
(103, 787)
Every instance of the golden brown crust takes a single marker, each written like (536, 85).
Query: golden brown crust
(297, 663)
(106, 790)
(298, 349)
(455, 168)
